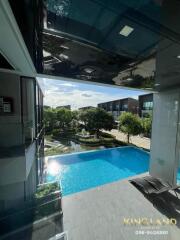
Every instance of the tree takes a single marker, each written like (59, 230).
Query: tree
(130, 124)
(96, 119)
(46, 107)
(83, 117)
(60, 119)
(50, 119)
(75, 120)
(64, 118)
(146, 125)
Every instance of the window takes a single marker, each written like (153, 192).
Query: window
(148, 105)
(124, 107)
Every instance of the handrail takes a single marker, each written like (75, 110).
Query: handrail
(42, 129)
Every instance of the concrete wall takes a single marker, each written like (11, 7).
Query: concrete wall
(165, 143)
(165, 140)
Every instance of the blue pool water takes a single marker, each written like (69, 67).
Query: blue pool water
(81, 171)
(178, 177)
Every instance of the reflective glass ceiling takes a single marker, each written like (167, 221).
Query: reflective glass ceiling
(99, 23)
(107, 41)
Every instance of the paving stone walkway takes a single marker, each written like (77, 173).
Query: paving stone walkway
(136, 140)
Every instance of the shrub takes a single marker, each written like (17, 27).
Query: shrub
(108, 135)
(46, 189)
(146, 126)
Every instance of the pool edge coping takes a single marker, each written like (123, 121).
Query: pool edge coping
(92, 151)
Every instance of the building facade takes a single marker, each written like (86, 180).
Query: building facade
(145, 105)
(21, 139)
(119, 106)
(86, 108)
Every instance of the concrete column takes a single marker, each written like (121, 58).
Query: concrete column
(165, 139)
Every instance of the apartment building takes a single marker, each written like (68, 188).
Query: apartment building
(119, 106)
(86, 108)
(145, 105)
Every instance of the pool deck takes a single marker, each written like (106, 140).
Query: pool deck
(98, 213)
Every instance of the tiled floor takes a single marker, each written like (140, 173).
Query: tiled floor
(98, 214)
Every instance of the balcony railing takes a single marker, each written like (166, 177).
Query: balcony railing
(33, 218)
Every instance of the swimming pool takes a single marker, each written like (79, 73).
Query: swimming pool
(82, 171)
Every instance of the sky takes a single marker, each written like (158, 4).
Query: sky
(76, 94)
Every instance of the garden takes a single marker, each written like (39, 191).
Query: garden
(81, 130)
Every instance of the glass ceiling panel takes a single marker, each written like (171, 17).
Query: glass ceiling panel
(98, 21)
(116, 40)
(133, 45)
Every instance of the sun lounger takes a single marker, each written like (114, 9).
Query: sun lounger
(152, 185)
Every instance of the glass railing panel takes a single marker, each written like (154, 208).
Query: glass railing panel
(35, 215)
